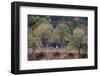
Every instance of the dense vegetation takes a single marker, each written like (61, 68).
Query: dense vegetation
(57, 32)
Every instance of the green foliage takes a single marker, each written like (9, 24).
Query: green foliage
(57, 30)
(35, 37)
(36, 20)
(60, 34)
(34, 41)
(78, 41)
(43, 29)
(71, 26)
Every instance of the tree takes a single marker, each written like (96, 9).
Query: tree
(44, 31)
(34, 20)
(33, 41)
(60, 34)
(78, 41)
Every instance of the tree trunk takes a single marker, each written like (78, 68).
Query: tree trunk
(79, 53)
(62, 41)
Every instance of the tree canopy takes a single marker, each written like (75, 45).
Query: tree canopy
(57, 29)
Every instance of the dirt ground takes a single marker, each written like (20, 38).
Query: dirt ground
(55, 53)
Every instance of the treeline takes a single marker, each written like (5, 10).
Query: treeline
(57, 32)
